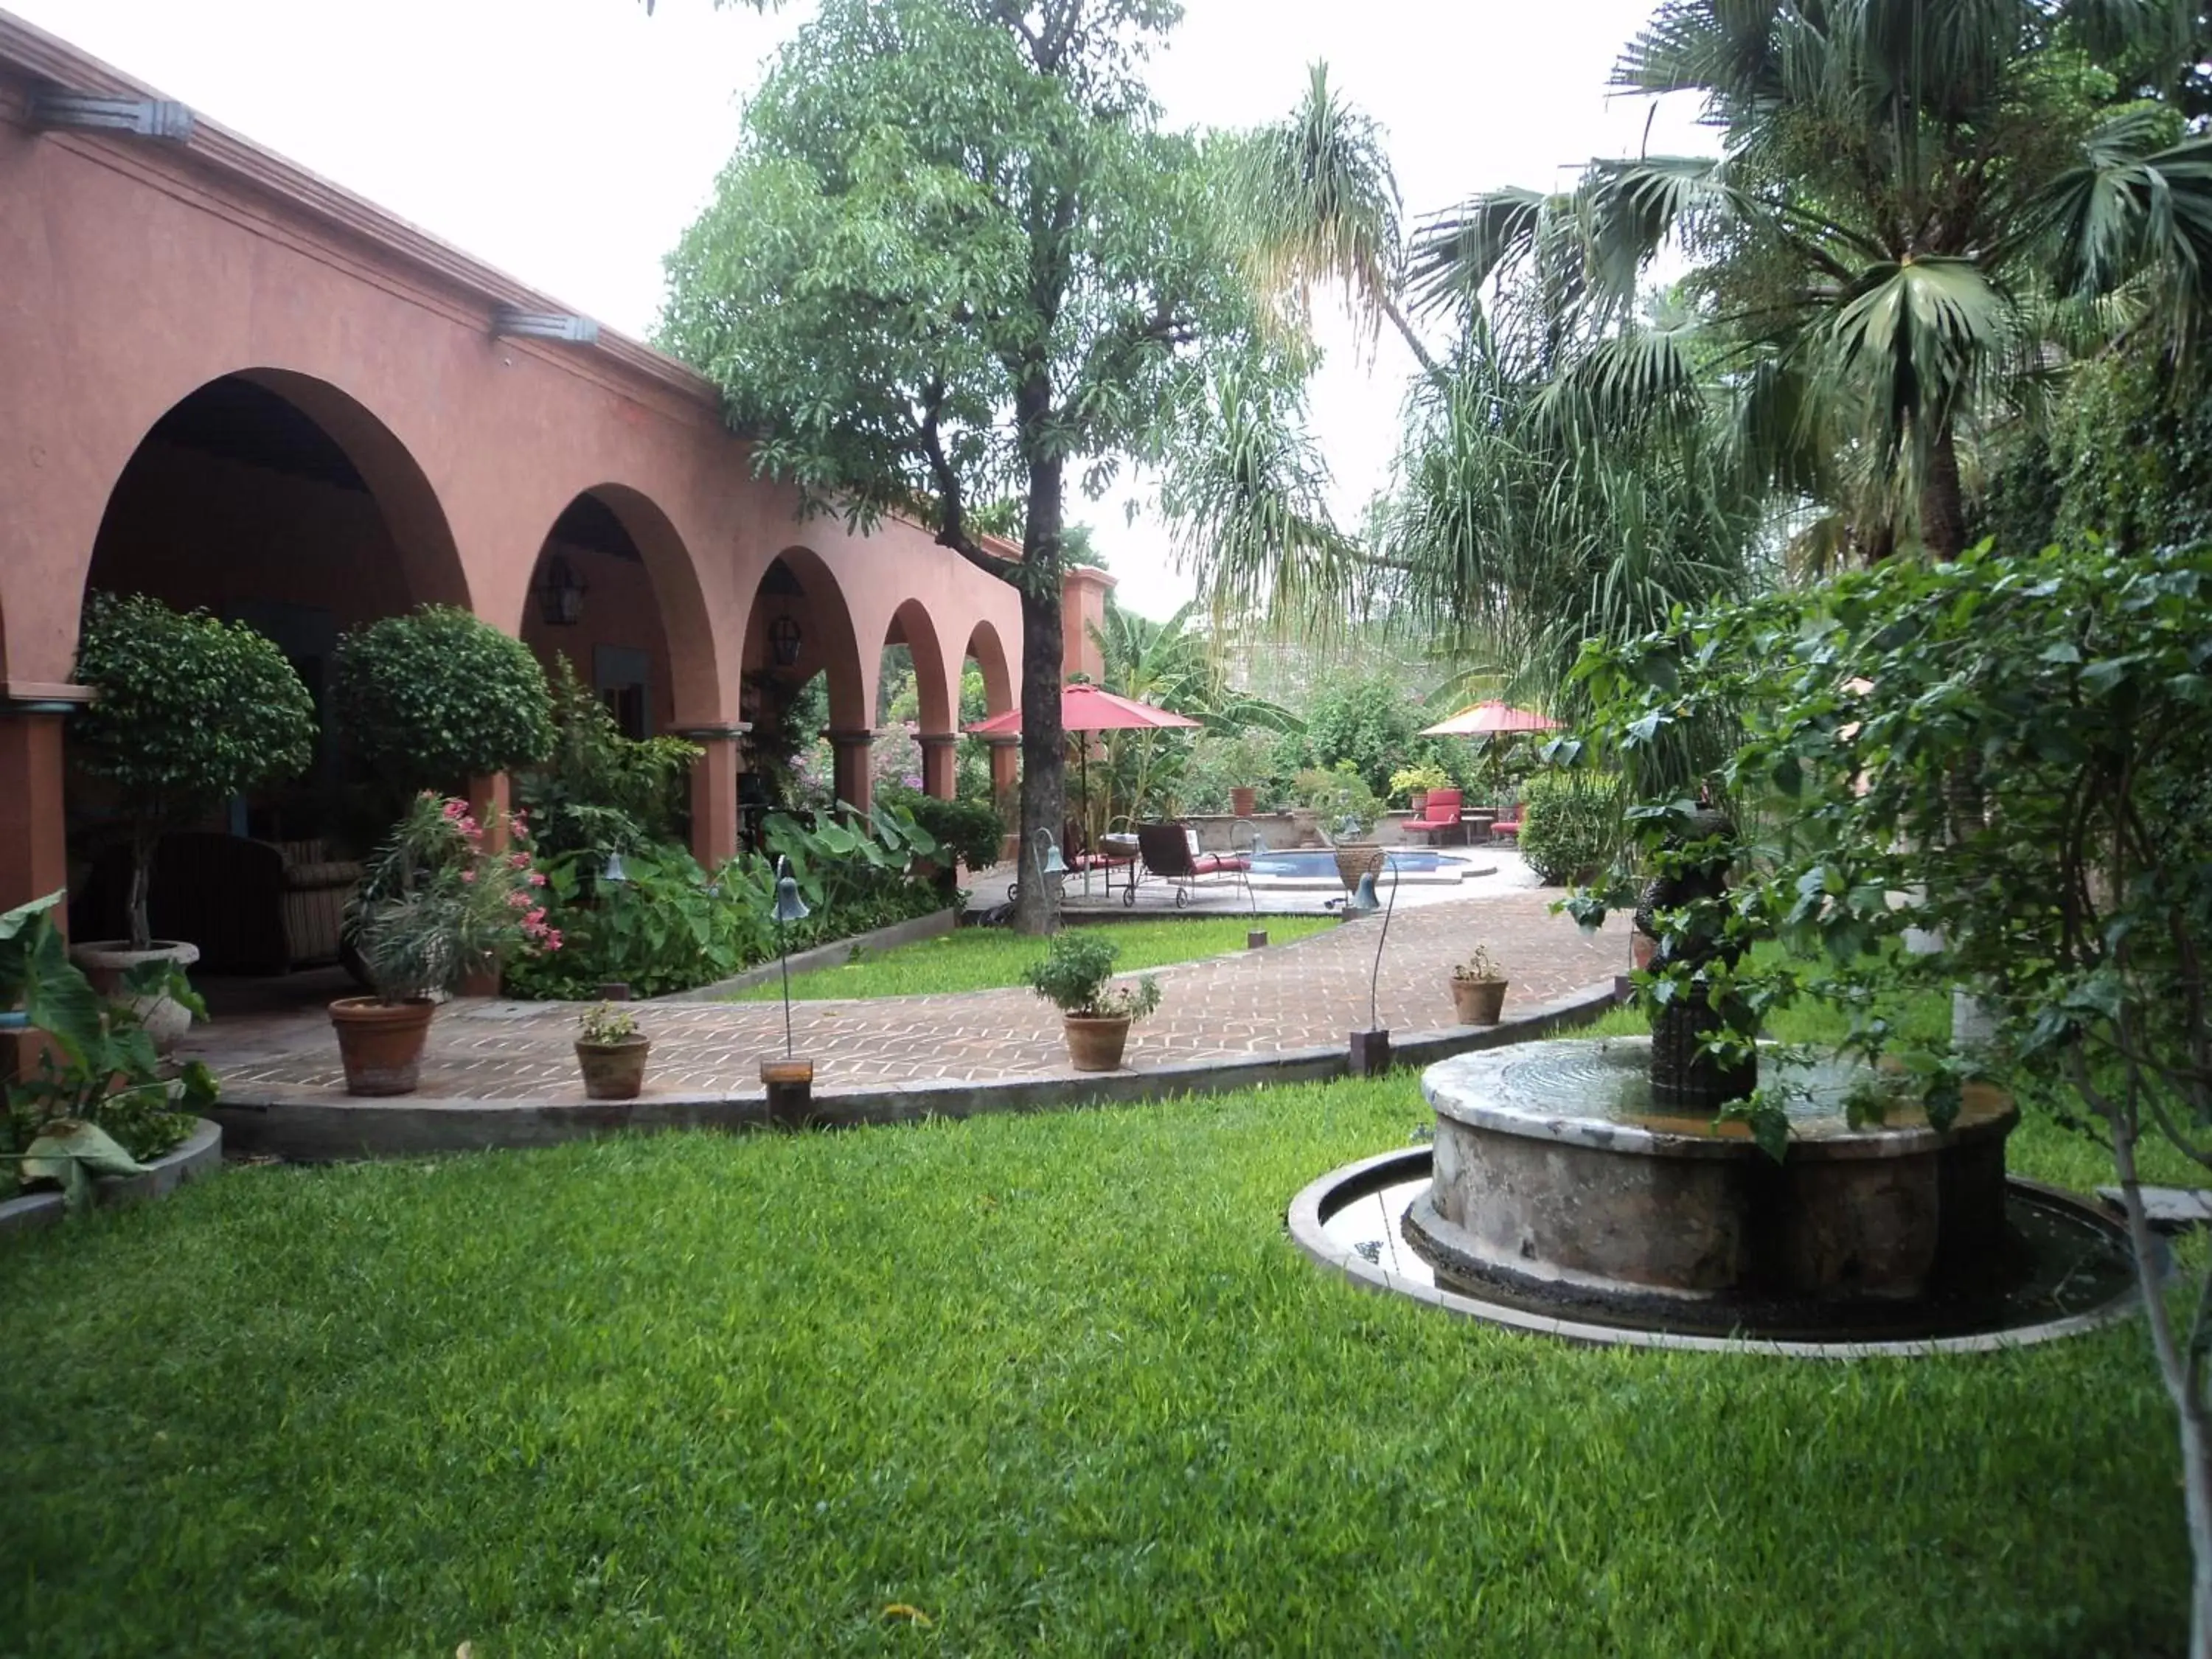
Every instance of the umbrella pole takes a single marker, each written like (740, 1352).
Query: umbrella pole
(1083, 760)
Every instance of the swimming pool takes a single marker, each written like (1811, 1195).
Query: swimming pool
(1315, 864)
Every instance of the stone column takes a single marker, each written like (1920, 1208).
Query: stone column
(33, 855)
(488, 799)
(938, 775)
(855, 788)
(715, 792)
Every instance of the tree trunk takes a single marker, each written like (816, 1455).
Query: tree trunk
(2180, 1372)
(1044, 763)
(1943, 499)
(143, 841)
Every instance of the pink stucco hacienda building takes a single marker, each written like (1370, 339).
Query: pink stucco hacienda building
(229, 383)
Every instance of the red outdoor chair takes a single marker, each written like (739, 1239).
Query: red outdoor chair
(1170, 851)
(1439, 820)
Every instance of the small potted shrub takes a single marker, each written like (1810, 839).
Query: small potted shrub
(611, 1052)
(1072, 976)
(1414, 783)
(441, 901)
(1478, 988)
(191, 712)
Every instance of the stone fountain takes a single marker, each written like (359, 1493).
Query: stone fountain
(1593, 1185)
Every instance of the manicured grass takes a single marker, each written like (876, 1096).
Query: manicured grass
(1058, 1382)
(984, 958)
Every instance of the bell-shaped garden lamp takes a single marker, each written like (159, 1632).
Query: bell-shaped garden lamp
(614, 878)
(1256, 936)
(789, 908)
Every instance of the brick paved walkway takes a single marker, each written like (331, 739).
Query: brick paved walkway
(1306, 994)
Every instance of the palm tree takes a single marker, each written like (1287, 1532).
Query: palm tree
(1920, 207)
(1319, 206)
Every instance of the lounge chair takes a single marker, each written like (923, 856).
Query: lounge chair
(1439, 821)
(1170, 852)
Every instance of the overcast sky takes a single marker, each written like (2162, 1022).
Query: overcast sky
(569, 142)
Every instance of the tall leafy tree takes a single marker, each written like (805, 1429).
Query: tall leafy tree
(1920, 206)
(956, 259)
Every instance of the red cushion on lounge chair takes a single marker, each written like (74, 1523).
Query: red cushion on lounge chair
(1441, 810)
(1215, 864)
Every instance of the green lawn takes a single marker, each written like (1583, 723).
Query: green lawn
(983, 958)
(1058, 1381)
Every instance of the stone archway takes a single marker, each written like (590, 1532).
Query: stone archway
(935, 729)
(799, 630)
(275, 499)
(988, 653)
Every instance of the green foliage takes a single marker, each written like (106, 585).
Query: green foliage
(970, 831)
(434, 698)
(1427, 775)
(1571, 824)
(607, 1023)
(98, 1098)
(599, 792)
(473, 1376)
(1072, 976)
(191, 711)
(1372, 724)
(990, 958)
(671, 927)
(445, 897)
(2006, 762)
(1347, 808)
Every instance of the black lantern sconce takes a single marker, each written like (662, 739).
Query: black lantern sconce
(783, 641)
(560, 593)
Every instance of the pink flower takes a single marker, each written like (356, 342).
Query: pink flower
(518, 899)
(537, 878)
(453, 809)
(553, 938)
(468, 875)
(518, 860)
(536, 918)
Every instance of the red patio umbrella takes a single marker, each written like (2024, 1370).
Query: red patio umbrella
(1085, 708)
(1484, 719)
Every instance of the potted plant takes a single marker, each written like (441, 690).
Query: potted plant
(1477, 986)
(611, 1052)
(431, 699)
(1414, 783)
(189, 712)
(442, 899)
(1072, 976)
(98, 1100)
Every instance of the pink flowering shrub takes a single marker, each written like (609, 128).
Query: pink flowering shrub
(444, 898)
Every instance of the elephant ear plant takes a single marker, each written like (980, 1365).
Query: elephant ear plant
(96, 1102)
(190, 711)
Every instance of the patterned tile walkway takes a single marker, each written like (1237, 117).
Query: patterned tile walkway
(1306, 994)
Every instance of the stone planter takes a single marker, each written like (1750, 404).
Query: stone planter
(199, 1155)
(613, 1070)
(1355, 858)
(105, 962)
(1305, 824)
(382, 1042)
(1096, 1045)
(1416, 802)
(1478, 1001)
(1243, 802)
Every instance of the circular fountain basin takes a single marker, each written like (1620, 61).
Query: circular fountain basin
(1556, 1175)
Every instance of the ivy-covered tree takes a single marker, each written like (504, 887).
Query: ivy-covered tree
(191, 711)
(956, 259)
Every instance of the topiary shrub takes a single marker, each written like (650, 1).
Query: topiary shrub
(434, 698)
(191, 711)
(1571, 824)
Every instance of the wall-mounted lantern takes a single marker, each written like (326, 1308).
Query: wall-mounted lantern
(559, 592)
(783, 640)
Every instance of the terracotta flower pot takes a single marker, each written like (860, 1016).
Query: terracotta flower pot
(105, 962)
(1355, 858)
(1096, 1045)
(1305, 825)
(1243, 802)
(1417, 802)
(1478, 1001)
(382, 1042)
(613, 1070)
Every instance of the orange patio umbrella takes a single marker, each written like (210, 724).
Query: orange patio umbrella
(1484, 719)
(1086, 708)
